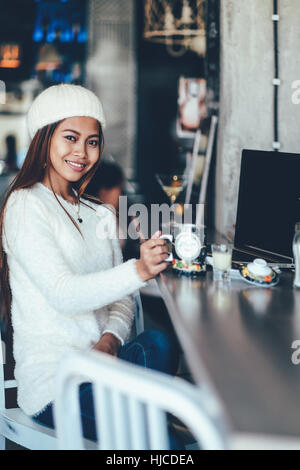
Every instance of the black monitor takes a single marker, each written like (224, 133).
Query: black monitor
(268, 202)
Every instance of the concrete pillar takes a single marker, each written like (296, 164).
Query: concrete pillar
(111, 74)
(246, 91)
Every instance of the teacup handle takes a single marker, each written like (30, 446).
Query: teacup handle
(170, 238)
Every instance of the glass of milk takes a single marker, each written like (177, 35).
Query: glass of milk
(221, 255)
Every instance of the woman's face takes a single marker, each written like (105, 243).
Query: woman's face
(74, 148)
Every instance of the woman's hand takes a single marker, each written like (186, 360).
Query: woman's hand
(153, 253)
(108, 344)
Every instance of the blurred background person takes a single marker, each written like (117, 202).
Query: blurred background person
(107, 184)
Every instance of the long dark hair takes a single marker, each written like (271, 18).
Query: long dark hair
(34, 169)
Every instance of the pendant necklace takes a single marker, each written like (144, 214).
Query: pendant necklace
(78, 209)
(78, 213)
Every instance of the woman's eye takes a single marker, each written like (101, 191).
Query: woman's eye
(94, 143)
(71, 138)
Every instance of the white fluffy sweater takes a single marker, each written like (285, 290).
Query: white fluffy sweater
(66, 291)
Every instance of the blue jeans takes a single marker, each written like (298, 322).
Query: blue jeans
(152, 349)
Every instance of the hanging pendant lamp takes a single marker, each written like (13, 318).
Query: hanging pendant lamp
(179, 24)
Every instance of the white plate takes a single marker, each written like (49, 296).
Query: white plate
(261, 284)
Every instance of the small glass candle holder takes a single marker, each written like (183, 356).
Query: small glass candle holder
(221, 255)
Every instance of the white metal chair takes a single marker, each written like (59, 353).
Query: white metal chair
(131, 404)
(18, 427)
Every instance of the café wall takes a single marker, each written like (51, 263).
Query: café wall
(246, 91)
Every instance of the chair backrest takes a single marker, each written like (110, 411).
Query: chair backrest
(192, 167)
(131, 404)
(204, 181)
(4, 384)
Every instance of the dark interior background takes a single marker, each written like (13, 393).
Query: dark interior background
(158, 148)
(17, 19)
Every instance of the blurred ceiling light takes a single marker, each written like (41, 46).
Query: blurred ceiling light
(10, 56)
(49, 59)
(179, 24)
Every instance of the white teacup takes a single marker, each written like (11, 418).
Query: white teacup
(187, 242)
(259, 267)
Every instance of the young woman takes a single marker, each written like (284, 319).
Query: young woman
(62, 276)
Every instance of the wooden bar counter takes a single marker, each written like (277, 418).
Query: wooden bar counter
(238, 340)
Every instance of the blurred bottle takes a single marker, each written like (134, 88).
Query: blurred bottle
(296, 252)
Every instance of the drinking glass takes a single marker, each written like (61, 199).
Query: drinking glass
(172, 184)
(221, 255)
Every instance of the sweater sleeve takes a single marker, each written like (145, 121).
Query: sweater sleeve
(121, 312)
(28, 238)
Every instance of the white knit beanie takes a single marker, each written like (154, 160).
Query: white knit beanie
(60, 102)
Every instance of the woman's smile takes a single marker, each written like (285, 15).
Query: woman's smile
(79, 167)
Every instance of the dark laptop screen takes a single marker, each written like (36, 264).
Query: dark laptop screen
(269, 201)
